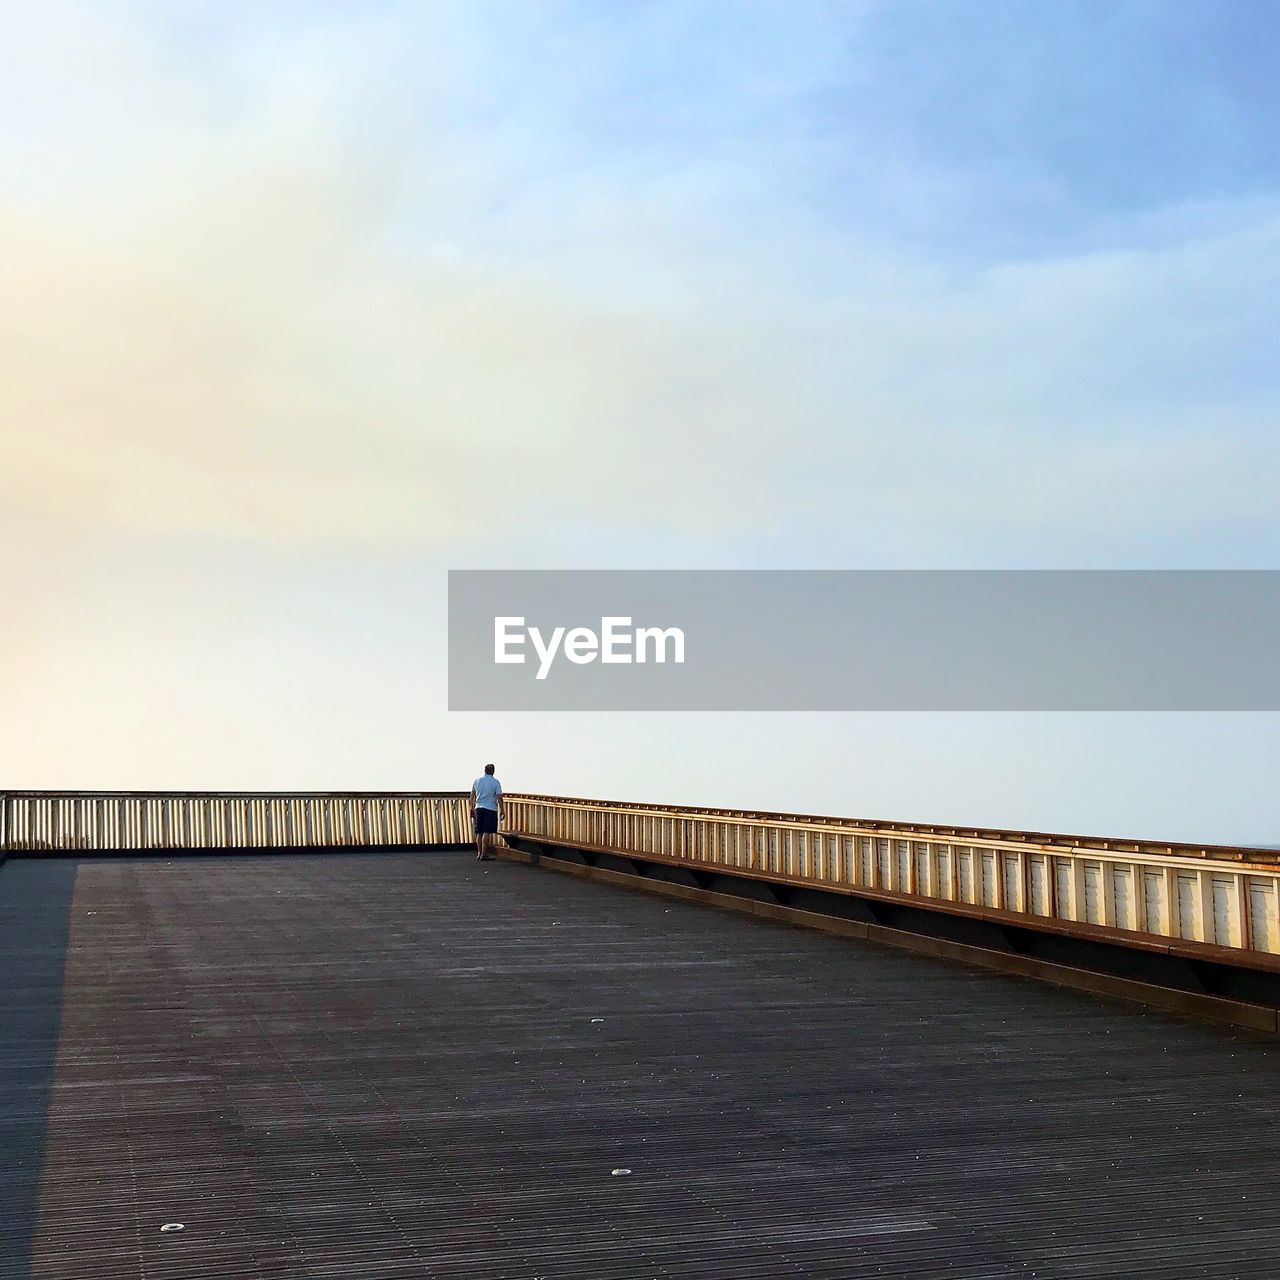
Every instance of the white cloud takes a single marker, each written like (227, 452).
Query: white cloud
(263, 305)
(299, 303)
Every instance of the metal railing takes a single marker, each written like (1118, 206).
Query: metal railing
(1224, 896)
(105, 821)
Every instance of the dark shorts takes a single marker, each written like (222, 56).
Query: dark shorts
(486, 822)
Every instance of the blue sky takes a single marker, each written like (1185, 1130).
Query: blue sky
(306, 303)
(1080, 114)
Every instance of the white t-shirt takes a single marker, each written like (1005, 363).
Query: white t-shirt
(487, 789)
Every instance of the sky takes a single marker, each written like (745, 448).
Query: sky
(303, 304)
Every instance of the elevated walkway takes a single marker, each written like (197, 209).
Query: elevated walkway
(410, 1064)
(313, 1037)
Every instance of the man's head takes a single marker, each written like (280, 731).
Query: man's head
(488, 768)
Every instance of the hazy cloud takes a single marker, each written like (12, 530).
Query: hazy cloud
(290, 287)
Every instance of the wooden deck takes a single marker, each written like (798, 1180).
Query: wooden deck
(409, 1065)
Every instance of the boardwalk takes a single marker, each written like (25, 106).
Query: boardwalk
(408, 1065)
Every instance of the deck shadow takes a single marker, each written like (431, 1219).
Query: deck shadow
(35, 918)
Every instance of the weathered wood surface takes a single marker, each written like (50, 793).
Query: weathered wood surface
(387, 1066)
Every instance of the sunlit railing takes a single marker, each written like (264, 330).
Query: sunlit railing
(96, 821)
(1225, 896)
(1220, 895)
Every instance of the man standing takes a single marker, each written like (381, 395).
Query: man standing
(486, 809)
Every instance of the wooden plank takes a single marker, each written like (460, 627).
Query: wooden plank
(390, 1065)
